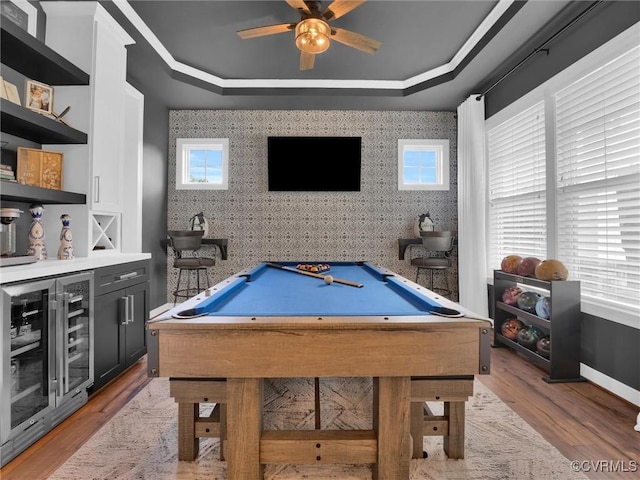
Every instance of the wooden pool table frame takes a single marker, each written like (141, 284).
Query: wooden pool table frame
(398, 352)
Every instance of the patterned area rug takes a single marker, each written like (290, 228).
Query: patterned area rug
(140, 441)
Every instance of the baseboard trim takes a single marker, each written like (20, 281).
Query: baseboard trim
(611, 384)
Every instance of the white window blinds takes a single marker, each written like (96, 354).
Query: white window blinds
(598, 182)
(517, 198)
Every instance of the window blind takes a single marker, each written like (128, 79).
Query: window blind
(598, 182)
(516, 182)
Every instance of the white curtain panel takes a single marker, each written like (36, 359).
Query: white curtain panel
(472, 270)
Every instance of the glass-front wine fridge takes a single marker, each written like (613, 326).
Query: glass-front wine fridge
(47, 357)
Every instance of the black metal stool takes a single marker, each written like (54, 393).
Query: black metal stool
(437, 246)
(183, 241)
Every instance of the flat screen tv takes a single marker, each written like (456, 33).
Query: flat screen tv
(314, 164)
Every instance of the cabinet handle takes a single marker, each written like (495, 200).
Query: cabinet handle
(96, 189)
(76, 299)
(125, 315)
(124, 276)
(131, 308)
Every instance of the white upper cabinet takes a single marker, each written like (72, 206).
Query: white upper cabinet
(85, 33)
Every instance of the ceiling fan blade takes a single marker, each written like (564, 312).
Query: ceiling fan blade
(266, 30)
(355, 40)
(340, 7)
(299, 5)
(307, 60)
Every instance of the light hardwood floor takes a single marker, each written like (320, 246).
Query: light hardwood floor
(584, 422)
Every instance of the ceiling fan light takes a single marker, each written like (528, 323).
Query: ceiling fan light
(312, 35)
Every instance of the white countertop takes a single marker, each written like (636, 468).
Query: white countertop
(52, 267)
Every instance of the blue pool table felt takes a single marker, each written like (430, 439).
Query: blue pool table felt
(268, 291)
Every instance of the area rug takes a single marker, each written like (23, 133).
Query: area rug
(140, 441)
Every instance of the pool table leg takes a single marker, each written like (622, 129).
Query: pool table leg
(244, 428)
(188, 443)
(391, 400)
(454, 442)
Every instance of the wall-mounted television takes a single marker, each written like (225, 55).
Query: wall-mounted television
(314, 164)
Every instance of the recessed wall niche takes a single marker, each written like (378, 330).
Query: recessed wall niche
(311, 226)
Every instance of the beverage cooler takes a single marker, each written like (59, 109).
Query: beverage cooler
(47, 357)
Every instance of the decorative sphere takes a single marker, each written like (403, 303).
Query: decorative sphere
(511, 294)
(527, 301)
(511, 327)
(328, 279)
(550, 270)
(543, 308)
(510, 264)
(528, 336)
(543, 347)
(527, 267)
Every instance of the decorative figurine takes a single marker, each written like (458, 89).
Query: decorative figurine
(36, 233)
(424, 224)
(65, 251)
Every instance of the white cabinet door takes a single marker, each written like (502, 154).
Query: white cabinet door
(107, 131)
(132, 182)
(87, 35)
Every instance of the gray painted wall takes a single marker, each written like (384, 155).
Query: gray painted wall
(593, 30)
(154, 194)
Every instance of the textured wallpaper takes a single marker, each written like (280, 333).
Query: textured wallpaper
(312, 226)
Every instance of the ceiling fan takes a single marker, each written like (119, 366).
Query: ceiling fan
(313, 34)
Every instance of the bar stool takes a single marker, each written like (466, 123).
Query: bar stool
(183, 241)
(437, 256)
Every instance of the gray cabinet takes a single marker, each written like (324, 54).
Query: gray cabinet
(121, 313)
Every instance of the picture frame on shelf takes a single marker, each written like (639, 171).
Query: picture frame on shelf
(38, 97)
(40, 168)
(12, 92)
(22, 13)
(3, 90)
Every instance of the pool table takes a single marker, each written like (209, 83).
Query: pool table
(268, 322)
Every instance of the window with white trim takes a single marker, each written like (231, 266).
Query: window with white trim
(202, 163)
(517, 216)
(423, 164)
(592, 130)
(598, 181)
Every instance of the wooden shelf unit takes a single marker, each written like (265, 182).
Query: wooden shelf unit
(563, 326)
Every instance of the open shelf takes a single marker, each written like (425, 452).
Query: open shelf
(25, 123)
(16, 192)
(28, 55)
(526, 317)
(105, 232)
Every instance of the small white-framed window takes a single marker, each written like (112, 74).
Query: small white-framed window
(202, 163)
(423, 164)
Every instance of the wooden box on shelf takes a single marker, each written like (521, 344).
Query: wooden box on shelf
(40, 168)
(562, 326)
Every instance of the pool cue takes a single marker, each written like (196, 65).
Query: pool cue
(315, 275)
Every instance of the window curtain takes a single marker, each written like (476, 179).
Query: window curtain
(472, 265)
